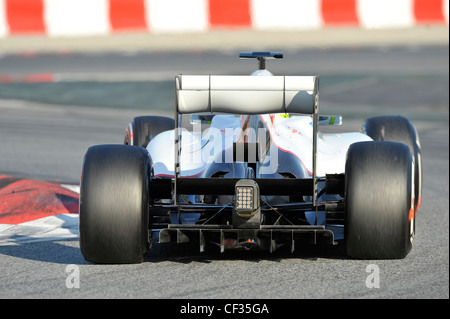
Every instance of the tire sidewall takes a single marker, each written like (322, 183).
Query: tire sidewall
(378, 201)
(114, 204)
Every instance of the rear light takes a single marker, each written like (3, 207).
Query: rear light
(246, 198)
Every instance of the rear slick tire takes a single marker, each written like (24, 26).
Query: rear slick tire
(114, 204)
(144, 128)
(379, 201)
(399, 129)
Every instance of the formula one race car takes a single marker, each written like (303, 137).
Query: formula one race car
(251, 170)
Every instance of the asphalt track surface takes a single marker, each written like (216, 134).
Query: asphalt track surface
(45, 129)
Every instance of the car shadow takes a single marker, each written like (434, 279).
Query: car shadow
(67, 251)
(189, 252)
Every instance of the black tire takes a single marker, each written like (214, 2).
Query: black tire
(378, 201)
(144, 128)
(399, 129)
(114, 204)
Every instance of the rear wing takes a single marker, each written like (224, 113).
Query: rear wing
(243, 95)
(246, 94)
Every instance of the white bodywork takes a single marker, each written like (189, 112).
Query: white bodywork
(293, 135)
